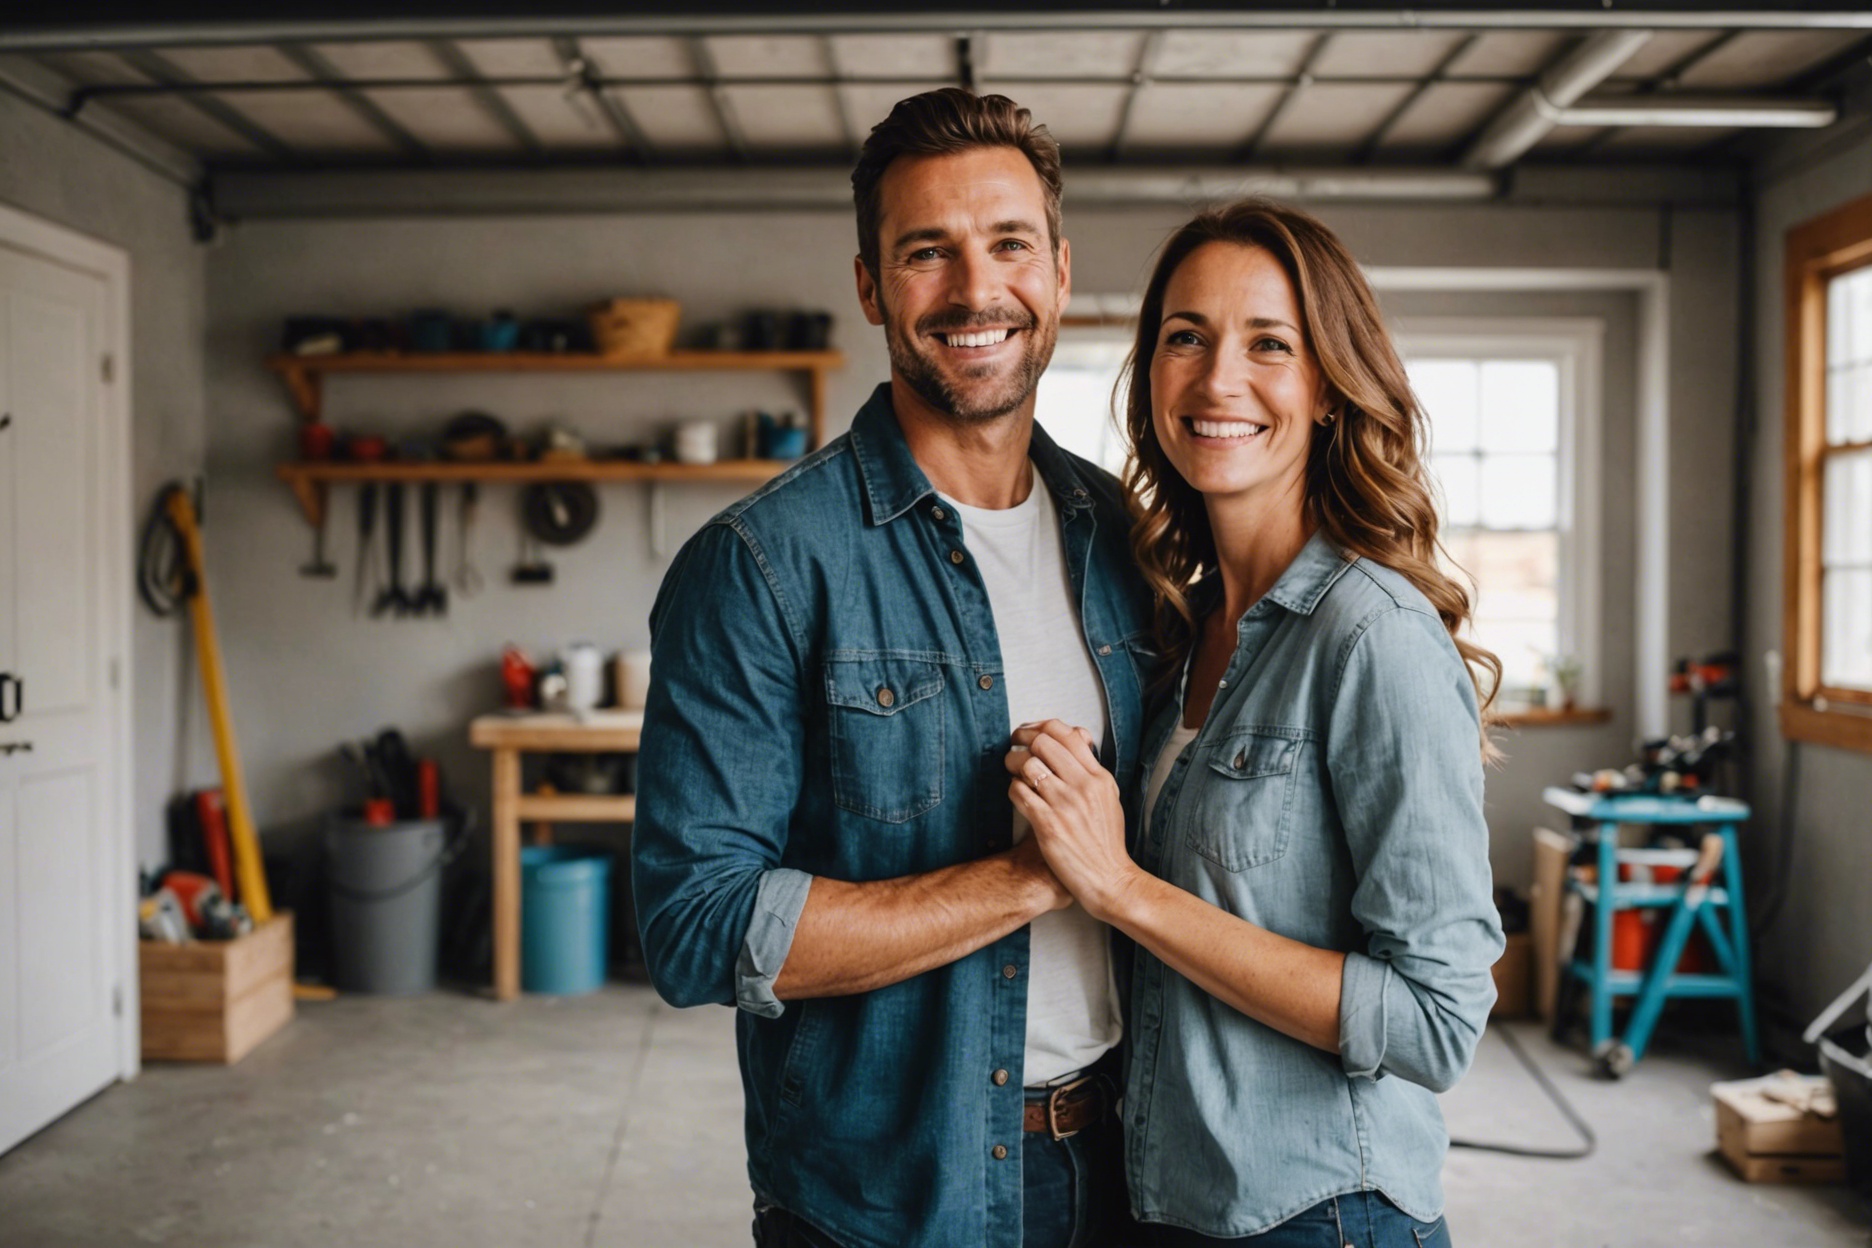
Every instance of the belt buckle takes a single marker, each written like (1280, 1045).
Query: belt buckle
(1053, 1100)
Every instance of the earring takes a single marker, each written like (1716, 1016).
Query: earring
(1329, 418)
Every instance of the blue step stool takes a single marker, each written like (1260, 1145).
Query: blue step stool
(1708, 896)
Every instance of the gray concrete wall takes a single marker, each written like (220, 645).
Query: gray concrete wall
(307, 673)
(63, 175)
(1824, 935)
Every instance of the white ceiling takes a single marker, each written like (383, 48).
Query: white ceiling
(1302, 96)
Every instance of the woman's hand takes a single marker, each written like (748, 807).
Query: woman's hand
(1073, 805)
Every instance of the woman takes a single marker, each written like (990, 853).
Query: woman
(1309, 888)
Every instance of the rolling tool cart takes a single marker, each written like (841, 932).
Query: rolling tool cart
(1704, 894)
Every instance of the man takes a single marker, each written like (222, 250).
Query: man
(824, 836)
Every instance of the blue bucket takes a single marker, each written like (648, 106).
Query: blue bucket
(565, 918)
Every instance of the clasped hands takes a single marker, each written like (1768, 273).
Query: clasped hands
(1075, 810)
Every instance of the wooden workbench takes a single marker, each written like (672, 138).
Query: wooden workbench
(510, 736)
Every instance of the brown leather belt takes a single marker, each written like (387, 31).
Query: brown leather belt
(1070, 1108)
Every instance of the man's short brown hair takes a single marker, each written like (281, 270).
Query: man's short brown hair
(939, 123)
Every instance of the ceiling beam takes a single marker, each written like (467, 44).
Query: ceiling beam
(1301, 81)
(847, 125)
(51, 91)
(718, 97)
(490, 100)
(1532, 115)
(1753, 112)
(584, 81)
(154, 65)
(1439, 74)
(327, 75)
(1141, 76)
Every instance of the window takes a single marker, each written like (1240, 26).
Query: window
(1511, 421)
(1074, 403)
(1827, 678)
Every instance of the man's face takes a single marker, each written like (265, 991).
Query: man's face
(968, 289)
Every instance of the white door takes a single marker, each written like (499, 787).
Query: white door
(60, 999)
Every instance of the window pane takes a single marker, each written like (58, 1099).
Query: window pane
(1846, 631)
(1447, 389)
(1839, 322)
(1518, 491)
(1520, 405)
(1858, 284)
(1459, 484)
(1522, 648)
(1074, 402)
(1846, 497)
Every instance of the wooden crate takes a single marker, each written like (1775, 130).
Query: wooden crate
(213, 1001)
(1511, 977)
(1767, 1141)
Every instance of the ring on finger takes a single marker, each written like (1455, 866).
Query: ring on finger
(1036, 772)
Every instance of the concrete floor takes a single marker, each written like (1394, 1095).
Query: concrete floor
(614, 1120)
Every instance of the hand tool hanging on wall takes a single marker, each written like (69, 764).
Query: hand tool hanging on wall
(431, 598)
(366, 547)
(467, 577)
(320, 568)
(393, 598)
(178, 510)
(560, 513)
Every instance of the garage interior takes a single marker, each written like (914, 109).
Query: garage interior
(1648, 217)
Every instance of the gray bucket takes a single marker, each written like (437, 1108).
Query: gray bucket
(384, 883)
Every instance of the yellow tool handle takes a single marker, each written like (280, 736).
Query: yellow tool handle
(248, 870)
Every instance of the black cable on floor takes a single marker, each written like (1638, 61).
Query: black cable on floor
(1559, 1102)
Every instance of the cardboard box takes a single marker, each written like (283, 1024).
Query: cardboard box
(213, 1001)
(1767, 1140)
(1512, 973)
(1546, 898)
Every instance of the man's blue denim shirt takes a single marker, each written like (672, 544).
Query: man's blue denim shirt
(827, 701)
(1333, 796)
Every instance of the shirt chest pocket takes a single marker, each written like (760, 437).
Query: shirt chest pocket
(886, 734)
(1242, 815)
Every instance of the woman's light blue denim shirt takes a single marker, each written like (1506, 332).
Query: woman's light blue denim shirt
(1334, 796)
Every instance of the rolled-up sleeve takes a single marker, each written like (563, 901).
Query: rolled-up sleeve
(1406, 772)
(719, 774)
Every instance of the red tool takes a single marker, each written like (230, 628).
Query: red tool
(428, 788)
(211, 813)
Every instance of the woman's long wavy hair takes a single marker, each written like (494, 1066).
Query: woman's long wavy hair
(1366, 484)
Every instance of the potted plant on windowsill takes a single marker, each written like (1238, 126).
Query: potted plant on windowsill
(1563, 676)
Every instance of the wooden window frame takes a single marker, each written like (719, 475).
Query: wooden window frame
(1818, 251)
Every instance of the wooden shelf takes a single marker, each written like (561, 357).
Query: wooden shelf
(304, 374)
(309, 479)
(1551, 717)
(578, 808)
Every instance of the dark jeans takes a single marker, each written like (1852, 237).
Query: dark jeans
(1074, 1196)
(1358, 1220)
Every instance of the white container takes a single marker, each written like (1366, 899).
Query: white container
(697, 442)
(633, 679)
(584, 673)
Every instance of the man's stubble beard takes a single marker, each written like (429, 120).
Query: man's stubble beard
(923, 376)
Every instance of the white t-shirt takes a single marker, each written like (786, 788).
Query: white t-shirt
(1047, 670)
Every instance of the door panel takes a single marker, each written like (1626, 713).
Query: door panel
(54, 431)
(60, 972)
(59, 872)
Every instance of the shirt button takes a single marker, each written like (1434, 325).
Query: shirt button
(986, 682)
(1009, 971)
(1104, 649)
(1222, 683)
(1000, 1078)
(956, 556)
(886, 697)
(1000, 1152)
(937, 513)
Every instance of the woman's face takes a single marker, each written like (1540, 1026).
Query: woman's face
(1235, 388)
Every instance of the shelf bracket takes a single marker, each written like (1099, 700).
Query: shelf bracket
(306, 388)
(311, 496)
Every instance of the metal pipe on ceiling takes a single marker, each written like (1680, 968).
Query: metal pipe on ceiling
(1532, 115)
(95, 37)
(1701, 110)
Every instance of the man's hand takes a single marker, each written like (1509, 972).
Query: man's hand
(1028, 857)
(1076, 812)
